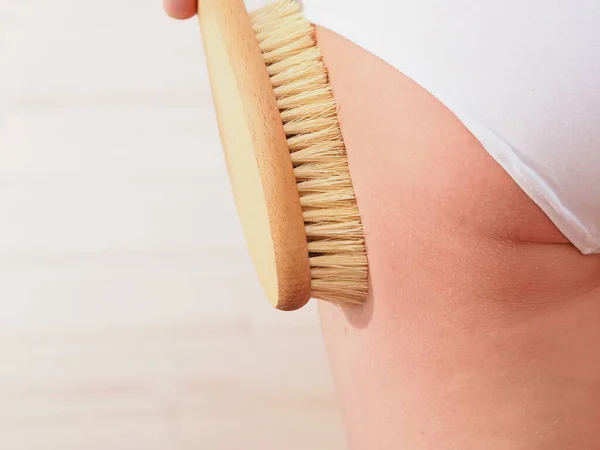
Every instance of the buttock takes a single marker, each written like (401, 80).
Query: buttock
(524, 84)
(436, 206)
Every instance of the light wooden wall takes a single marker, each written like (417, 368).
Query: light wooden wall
(130, 317)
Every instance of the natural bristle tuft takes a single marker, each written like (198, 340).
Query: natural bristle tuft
(308, 111)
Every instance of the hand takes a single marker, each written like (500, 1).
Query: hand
(180, 9)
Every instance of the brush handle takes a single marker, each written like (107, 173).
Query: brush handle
(256, 152)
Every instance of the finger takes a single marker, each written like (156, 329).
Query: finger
(180, 9)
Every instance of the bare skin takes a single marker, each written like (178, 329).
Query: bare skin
(482, 326)
(481, 330)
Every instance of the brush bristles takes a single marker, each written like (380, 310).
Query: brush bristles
(333, 226)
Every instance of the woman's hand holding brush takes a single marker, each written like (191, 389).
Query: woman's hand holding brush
(180, 9)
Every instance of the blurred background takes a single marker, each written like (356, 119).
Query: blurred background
(130, 316)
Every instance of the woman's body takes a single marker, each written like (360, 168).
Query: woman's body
(481, 330)
(482, 326)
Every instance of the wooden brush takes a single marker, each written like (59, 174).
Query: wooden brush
(284, 152)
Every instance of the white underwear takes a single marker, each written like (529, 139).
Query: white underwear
(522, 75)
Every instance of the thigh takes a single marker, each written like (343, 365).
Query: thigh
(473, 289)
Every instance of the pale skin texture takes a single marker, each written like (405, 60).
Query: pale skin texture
(482, 327)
